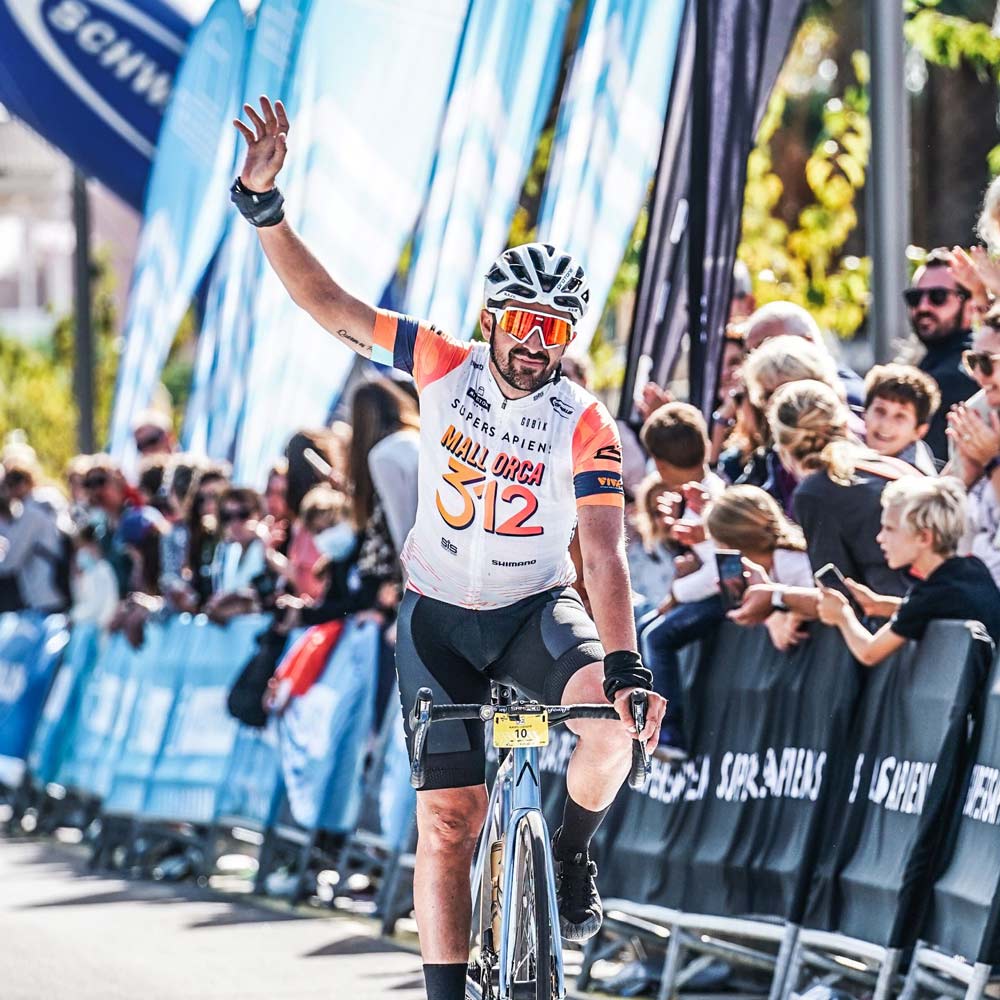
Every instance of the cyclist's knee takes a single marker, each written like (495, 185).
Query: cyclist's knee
(451, 819)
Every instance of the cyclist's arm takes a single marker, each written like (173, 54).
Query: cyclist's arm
(602, 543)
(350, 320)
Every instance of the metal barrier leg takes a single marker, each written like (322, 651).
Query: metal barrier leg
(671, 964)
(886, 974)
(783, 961)
(980, 978)
(910, 984)
(265, 861)
(794, 969)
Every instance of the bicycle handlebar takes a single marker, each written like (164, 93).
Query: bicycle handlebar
(425, 713)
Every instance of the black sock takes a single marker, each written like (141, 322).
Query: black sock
(578, 826)
(445, 982)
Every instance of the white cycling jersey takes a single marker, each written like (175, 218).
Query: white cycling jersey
(500, 480)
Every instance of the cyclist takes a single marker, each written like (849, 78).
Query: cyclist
(505, 443)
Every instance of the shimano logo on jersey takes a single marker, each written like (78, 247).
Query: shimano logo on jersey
(561, 407)
(477, 397)
(513, 565)
(449, 546)
(477, 365)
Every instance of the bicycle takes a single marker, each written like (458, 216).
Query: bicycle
(514, 955)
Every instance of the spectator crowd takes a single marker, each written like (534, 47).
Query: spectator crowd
(867, 504)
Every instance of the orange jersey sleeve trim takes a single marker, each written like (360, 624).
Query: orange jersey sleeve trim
(435, 354)
(597, 459)
(415, 348)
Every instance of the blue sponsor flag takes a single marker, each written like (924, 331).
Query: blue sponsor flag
(502, 92)
(93, 78)
(608, 137)
(370, 86)
(186, 207)
(219, 385)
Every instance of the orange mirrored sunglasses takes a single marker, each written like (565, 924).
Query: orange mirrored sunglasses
(522, 323)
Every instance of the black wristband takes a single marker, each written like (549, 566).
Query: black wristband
(259, 208)
(624, 669)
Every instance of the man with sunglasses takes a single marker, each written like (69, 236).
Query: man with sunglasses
(941, 313)
(514, 459)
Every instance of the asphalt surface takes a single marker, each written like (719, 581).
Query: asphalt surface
(66, 934)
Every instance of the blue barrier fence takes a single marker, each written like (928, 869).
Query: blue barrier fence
(146, 733)
(865, 804)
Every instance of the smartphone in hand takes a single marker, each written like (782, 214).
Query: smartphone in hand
(831, 577)
(732, 577)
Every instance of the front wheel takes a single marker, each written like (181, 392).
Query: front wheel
(526, 916)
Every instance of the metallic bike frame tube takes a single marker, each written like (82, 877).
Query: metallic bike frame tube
(518, 799)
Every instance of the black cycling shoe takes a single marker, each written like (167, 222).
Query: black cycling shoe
(580, 910)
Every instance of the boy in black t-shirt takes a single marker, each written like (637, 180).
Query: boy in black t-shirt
(922, 522)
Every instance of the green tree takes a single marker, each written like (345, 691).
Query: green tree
(806, 261)
(38, 379)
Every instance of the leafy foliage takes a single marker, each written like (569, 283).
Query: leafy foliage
(38, 380)
(806, 262)
(952, 41)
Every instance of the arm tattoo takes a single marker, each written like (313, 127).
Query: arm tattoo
(345, 336)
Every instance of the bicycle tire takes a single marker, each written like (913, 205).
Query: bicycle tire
(531, 954)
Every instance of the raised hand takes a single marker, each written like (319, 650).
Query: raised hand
(267, 144)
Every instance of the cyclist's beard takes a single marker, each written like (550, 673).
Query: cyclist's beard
(519, 378)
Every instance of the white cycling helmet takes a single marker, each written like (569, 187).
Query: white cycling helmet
(538, 272)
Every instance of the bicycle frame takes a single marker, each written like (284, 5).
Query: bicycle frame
(516, 791)
(516, 794)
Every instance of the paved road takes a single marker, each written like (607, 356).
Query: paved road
(68, 935)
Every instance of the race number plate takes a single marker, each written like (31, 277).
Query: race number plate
(521, 730)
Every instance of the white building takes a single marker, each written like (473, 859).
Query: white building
(37, 236)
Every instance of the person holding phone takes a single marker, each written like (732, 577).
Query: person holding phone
(837, 502)
(749, 523)
(922, 522)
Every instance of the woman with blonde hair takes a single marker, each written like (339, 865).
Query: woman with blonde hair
(838, 500)
(787, 359)
(775, 363)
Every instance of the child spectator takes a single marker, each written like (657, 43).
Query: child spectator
(837, 502)
(94, 585)
(922, 522)
(650, 551)
(676, 437)
(749, 520)
(899, 403)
